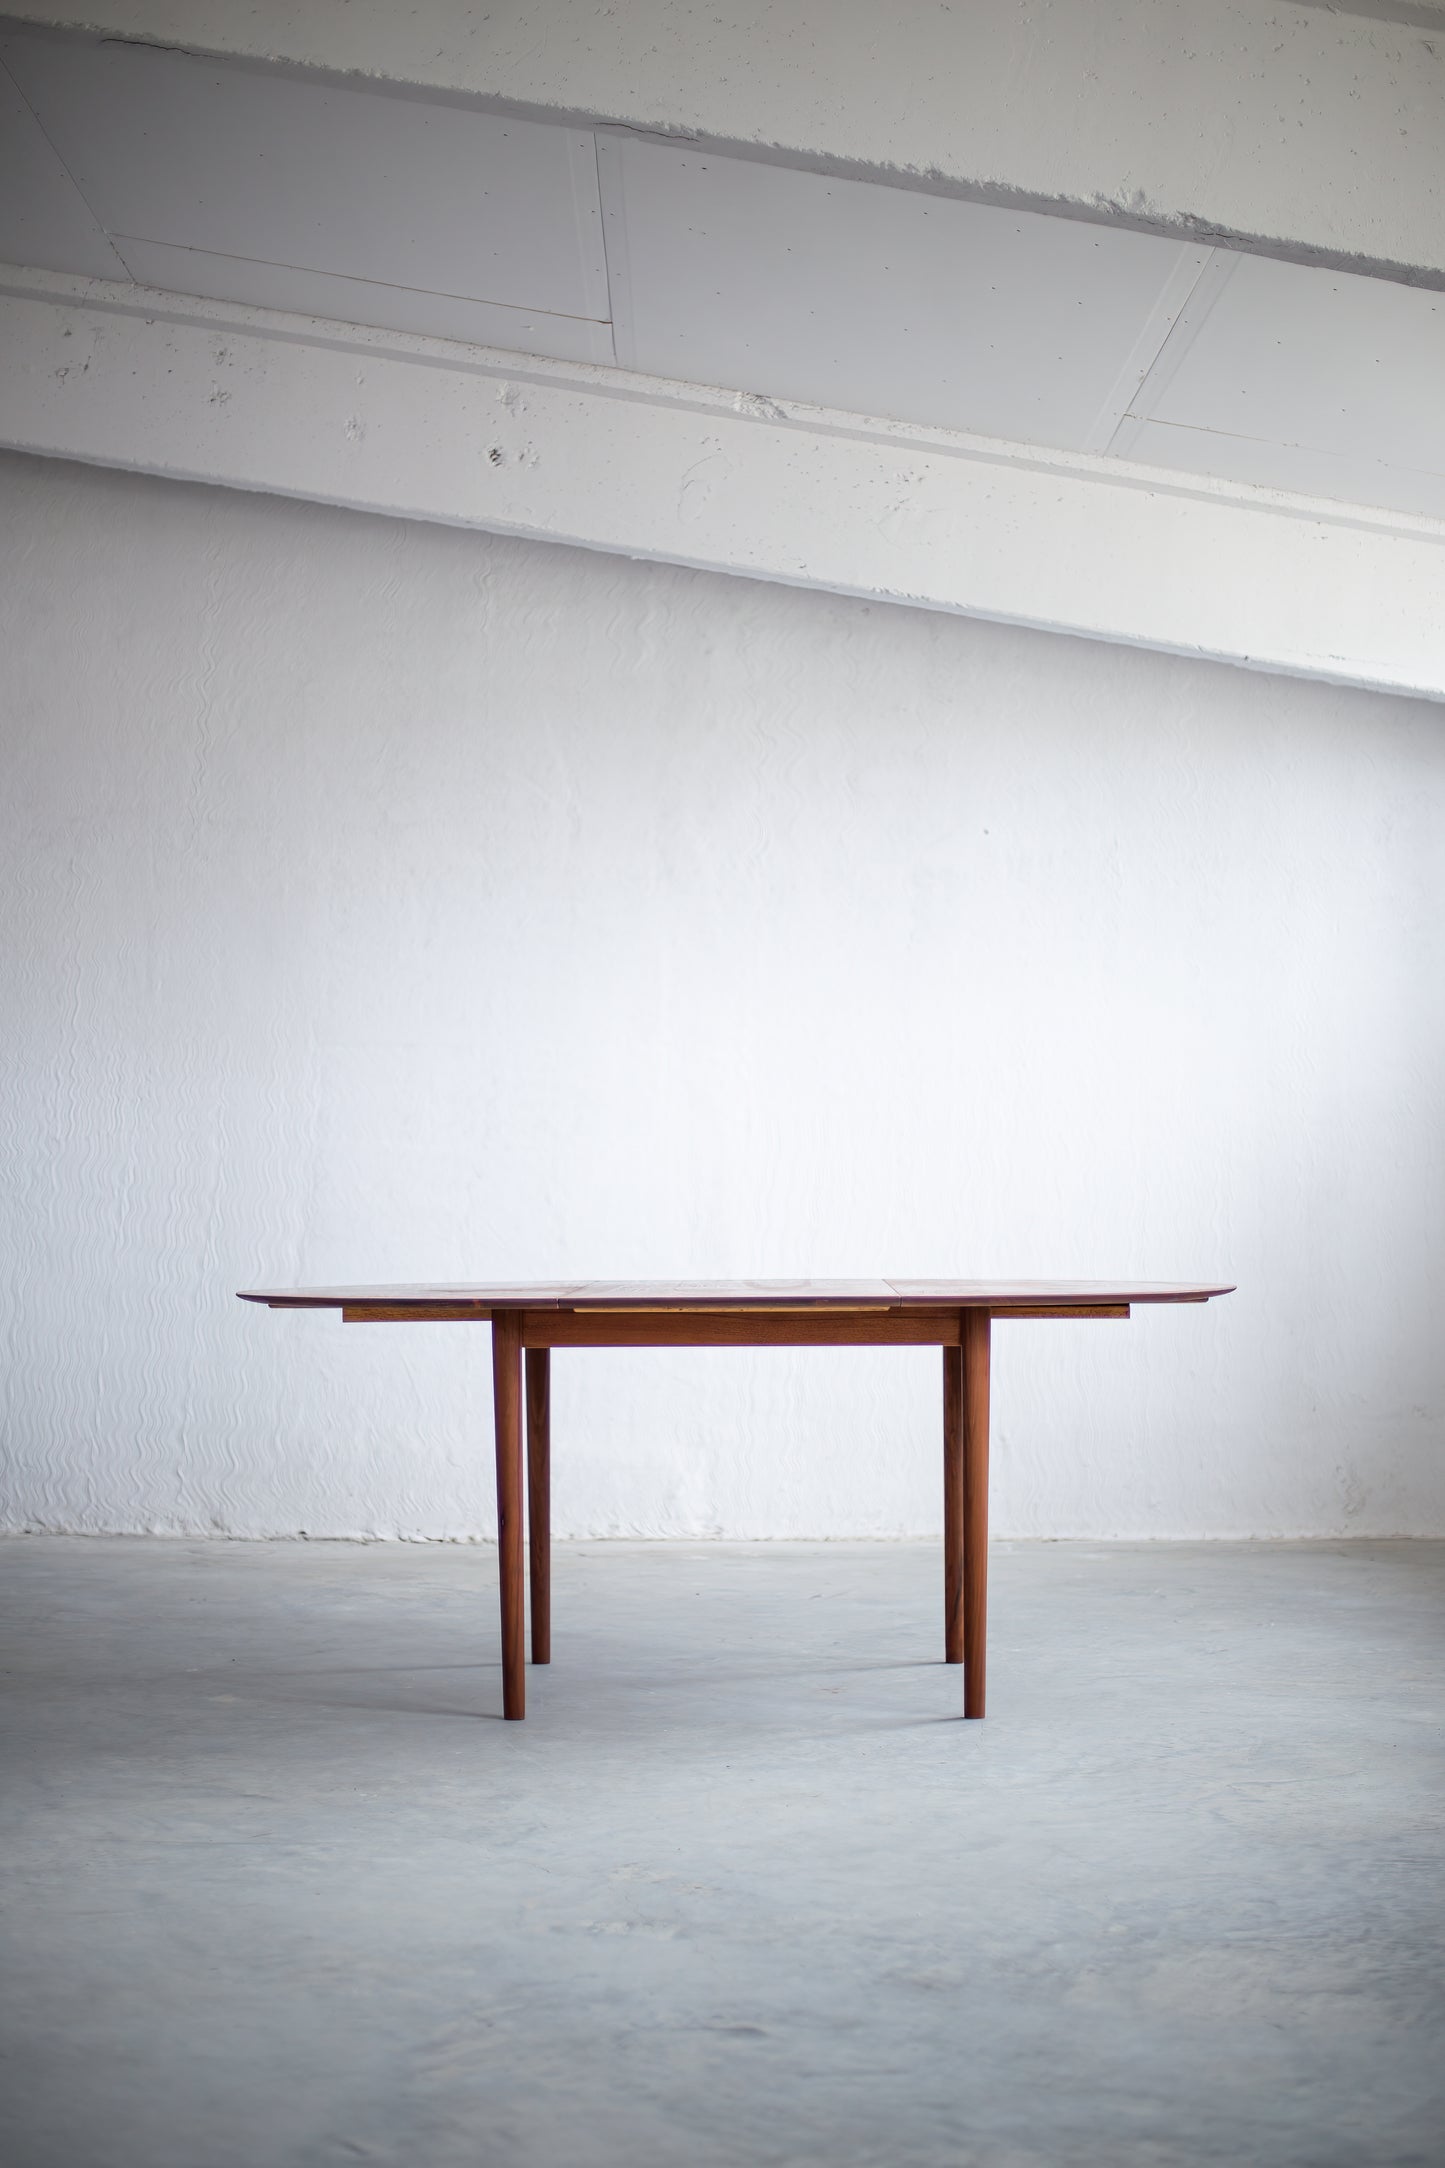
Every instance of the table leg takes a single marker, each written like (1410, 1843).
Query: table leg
(539, 1499)
(953, 1505)
(975, 1508)
(507, 1405)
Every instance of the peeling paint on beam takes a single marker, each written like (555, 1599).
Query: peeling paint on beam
(565, 452)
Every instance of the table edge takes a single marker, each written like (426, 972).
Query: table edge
(1047, 1296)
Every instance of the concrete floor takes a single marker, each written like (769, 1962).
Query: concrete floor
(743, 1890)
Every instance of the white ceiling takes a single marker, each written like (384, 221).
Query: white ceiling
(879, 300)
(262, 188)
(1302, 379)
(418, 215)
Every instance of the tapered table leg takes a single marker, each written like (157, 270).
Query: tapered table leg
(953, 1505)
(975, 1509)
(507, 1403)
(539, 1499)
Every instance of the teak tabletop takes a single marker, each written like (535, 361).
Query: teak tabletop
(529, 1321)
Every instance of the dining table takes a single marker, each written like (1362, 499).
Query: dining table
(529, 1320)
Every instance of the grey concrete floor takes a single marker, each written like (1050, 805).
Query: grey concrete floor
(283, 1889)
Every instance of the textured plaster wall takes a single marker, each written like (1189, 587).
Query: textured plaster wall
(386, 901)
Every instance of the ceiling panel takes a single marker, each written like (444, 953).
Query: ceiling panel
(881, 300)
(367, 185)
(44, 221)
(1306, 380)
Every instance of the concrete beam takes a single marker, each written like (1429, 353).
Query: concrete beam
(1300, 128)
(565, 452)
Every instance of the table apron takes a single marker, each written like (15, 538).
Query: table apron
(584, 1328)
(682, 1328)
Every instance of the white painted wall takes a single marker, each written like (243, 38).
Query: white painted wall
(390, 901)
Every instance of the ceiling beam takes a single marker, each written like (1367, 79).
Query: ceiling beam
(1301, 129)
(569, 452)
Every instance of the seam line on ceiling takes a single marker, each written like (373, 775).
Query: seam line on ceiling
(606, 251)
(611, 196)
(1154, 335)
(1171, 356)
(272, 263)
(83, 199)
(1302, 444)
(587, 215)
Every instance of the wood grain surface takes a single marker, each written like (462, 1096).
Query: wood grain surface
(507, 1407)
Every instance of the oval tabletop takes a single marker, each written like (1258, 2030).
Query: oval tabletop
(745, 1294)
